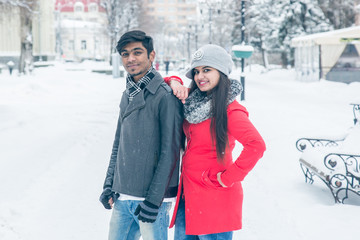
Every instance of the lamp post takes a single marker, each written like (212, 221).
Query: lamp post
(188, 44)
(242, 51)
(194, 29)
(192, 32)
(211, 8)
(195, 33)
(242, 77)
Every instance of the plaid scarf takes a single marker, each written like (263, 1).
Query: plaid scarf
(133, 88)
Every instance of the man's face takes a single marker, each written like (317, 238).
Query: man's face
(135, 59)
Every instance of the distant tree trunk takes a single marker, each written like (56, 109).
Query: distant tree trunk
(112, 11)
(26, 10)
(264, 53)
(26, 56)
(122, 16)
(265, 58)
(112, 46)
(284, 60)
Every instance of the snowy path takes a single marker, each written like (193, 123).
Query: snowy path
(56, 140)
(56, 133)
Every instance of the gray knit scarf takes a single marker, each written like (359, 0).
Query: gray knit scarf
(197, 107)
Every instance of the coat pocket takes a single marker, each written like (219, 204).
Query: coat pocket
(210, 181)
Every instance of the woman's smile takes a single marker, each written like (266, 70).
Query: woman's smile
(206, 78)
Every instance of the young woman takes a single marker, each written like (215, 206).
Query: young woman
(209, 201)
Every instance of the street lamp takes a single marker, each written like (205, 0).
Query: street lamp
(193, 30)
(194, 25)
(242, 51)
(211, 8)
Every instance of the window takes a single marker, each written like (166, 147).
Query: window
(93, 7)
(173, 18)
(71, 45)
(83, 44)
(78, 7)
(349, 58)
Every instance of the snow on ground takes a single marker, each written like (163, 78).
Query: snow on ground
(56, 133)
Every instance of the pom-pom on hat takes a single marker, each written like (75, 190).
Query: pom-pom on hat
(213, 56)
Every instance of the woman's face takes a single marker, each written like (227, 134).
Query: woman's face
(206, 78)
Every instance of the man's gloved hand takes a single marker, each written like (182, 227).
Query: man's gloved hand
(106, 195)
(147, 212)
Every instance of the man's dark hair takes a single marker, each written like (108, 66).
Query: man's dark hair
(135, 36)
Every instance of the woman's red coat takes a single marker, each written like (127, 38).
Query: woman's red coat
(209, 207)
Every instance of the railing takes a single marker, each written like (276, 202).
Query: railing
(340, 172)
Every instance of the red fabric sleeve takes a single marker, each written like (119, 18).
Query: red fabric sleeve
(240, 127)
(175, 78)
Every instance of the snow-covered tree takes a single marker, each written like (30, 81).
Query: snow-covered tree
(223, 24)
(26, 10)
(340, 13)
(122, 16)
(237, 25)
(273, 23)
(262, 28)
(299, 17)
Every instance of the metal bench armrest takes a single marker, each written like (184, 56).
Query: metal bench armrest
(303, 143)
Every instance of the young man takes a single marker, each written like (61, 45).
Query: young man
(142, 176)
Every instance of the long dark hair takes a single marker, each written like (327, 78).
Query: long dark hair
(218, 125)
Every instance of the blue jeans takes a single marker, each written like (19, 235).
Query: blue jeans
(124, 225)
(180, 228)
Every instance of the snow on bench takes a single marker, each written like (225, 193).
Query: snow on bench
(335, 161)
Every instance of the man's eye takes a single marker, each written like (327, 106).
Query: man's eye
(138, 53)
(124, 54)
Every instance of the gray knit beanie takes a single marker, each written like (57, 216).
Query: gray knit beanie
(213, 56)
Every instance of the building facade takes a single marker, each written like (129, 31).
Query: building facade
(81, 31)
(168, 22)
(174, 13)
(43, 35)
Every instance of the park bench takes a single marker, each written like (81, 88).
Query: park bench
(335, 161)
